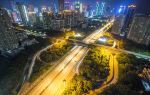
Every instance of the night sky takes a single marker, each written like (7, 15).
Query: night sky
(143, 6)
(38, 3)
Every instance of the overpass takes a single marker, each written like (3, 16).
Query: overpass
(138, 55)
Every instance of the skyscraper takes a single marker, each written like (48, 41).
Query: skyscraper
(8, 38)
(14, 12)
(23, 12)
(97, 9)
(67, 5)
(78, 6)
(129, 17)
(118, 24)
(140, 29)
(61, 6)
(100, 7)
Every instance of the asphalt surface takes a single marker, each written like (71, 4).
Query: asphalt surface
(54, 83)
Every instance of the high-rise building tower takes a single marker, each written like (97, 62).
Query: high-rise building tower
(140, 29)
(67, 5)
(130, 11)
(14, 12)
(118, 24)
(78, 6)
(61, 6)
(23, 12)
(100, 8)
(8, 38)
(97, 9)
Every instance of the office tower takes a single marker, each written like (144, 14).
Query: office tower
(14, 12)
(54, 6)
(77, 6)
(140, 29)
(47, 18)
(122, 9)
(67, 5)
(23, 12)
(32, 18)
(118, 24)
(97, 9)
(8, 38)
(100, 7)
(89, 11)
(61, 6)
(32, 15)
(30, 8)
(44, 9)
(81, 7)
(130, 11)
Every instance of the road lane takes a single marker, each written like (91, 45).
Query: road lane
(48, 79)
(53, 83)
(58, 82)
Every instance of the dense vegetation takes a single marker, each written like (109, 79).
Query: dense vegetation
(48, 57)
(129, 83)
(55, 52)
(11, 74)
(94, 69)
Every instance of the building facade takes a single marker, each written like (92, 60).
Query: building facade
(61, 6)
(140, 29)
(23, 11)
(67, 19)
(118, 24)
(8, 38)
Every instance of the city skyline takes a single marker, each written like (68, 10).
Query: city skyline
(143, 6)
(38, 3)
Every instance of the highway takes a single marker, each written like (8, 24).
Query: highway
(48, 80)
(98, 33)
(57, 86)
(54, 83)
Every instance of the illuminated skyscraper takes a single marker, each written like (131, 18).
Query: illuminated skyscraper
(122, 9)
(81, 7)
(100, 8)
(78, 6)
(129, 17)
(61, 6)
(23, 12)
(118, 24)
(67, 5)
(97, 9)
(14, 12)
(44, 9)
(89, 12)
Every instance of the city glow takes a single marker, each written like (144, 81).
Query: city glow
(74, 47)
(26, 13)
